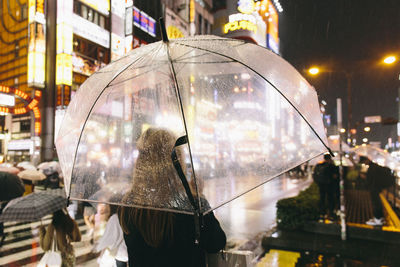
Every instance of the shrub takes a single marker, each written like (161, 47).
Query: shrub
(294, 212)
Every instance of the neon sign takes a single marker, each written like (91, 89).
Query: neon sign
(246, 6)
(31, 104)
(240, 25)
(144, 21)
(36, 44)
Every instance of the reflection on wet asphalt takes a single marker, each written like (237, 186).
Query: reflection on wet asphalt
(254, 212)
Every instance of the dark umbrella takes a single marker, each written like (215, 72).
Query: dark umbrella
(34, 206)
(11, 186)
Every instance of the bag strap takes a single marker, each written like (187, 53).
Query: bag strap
(54, 246)
(197, 216)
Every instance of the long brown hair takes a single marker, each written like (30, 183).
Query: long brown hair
(154, 179)
(62, 221)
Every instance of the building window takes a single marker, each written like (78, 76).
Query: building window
(102, 21)
(25, 126)
(199, 23)
(91, 15)
(84, 11)
(91, 50)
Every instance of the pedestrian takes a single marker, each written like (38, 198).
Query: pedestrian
(89, 217)
(65, 230)
(112, 243)
(159, 237)
(326, 175)
(376, 179)
(52, 181)
(100, 220)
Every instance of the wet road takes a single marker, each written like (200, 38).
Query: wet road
(254, 213)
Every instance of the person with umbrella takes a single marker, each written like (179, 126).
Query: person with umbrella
(162, 238)
(376, 178)
(65, 230)
(11, 187)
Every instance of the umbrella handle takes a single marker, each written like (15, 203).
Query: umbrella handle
(180, 141)
(183, 140)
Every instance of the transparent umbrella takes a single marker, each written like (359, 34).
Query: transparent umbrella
(242, 115)
(377, 155)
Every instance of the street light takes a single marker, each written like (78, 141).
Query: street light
(389, 59)
(367, 129)
(313, 70)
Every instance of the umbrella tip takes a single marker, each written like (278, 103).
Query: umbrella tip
(163, 30)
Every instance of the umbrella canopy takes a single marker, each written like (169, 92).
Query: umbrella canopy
(49, 167)
(11, 169)
(6, 164)
(11, 186)
(33, 175)
(246, 113)
(26, 165)
(34, 206)
(377, 155)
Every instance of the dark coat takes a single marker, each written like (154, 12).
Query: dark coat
(379, 177)
(182, 251)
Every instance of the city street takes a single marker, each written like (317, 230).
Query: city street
(254, 213)
(244, 219)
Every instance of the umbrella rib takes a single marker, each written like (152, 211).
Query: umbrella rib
(213, 39)
(178, 95)
(205, 62)
(133, 77)
(91, 108)
(259, 74)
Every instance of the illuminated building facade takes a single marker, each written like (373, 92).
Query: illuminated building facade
(49, 48)
(250, 20)
(22, 63)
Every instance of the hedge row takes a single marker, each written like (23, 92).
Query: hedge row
(294, 212)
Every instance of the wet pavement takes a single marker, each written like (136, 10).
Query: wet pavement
(244, 219)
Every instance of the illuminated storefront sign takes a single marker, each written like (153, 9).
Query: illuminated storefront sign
(64, 47)
(23, 144)
(240, 25)
(7, 97)
(246, 6)
(36, 44)
(129, 21)
(244, 22)
(36, 11)
(144, 21)
(63, 95)
(64, 69)
(151, 28)
(176, 27)
(272, 28)
(7, 100)
(117, 29)
(136, 17)
(90, 31)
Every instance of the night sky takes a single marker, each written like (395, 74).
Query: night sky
(351, 36)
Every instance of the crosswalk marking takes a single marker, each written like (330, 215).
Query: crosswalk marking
(22, 244)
